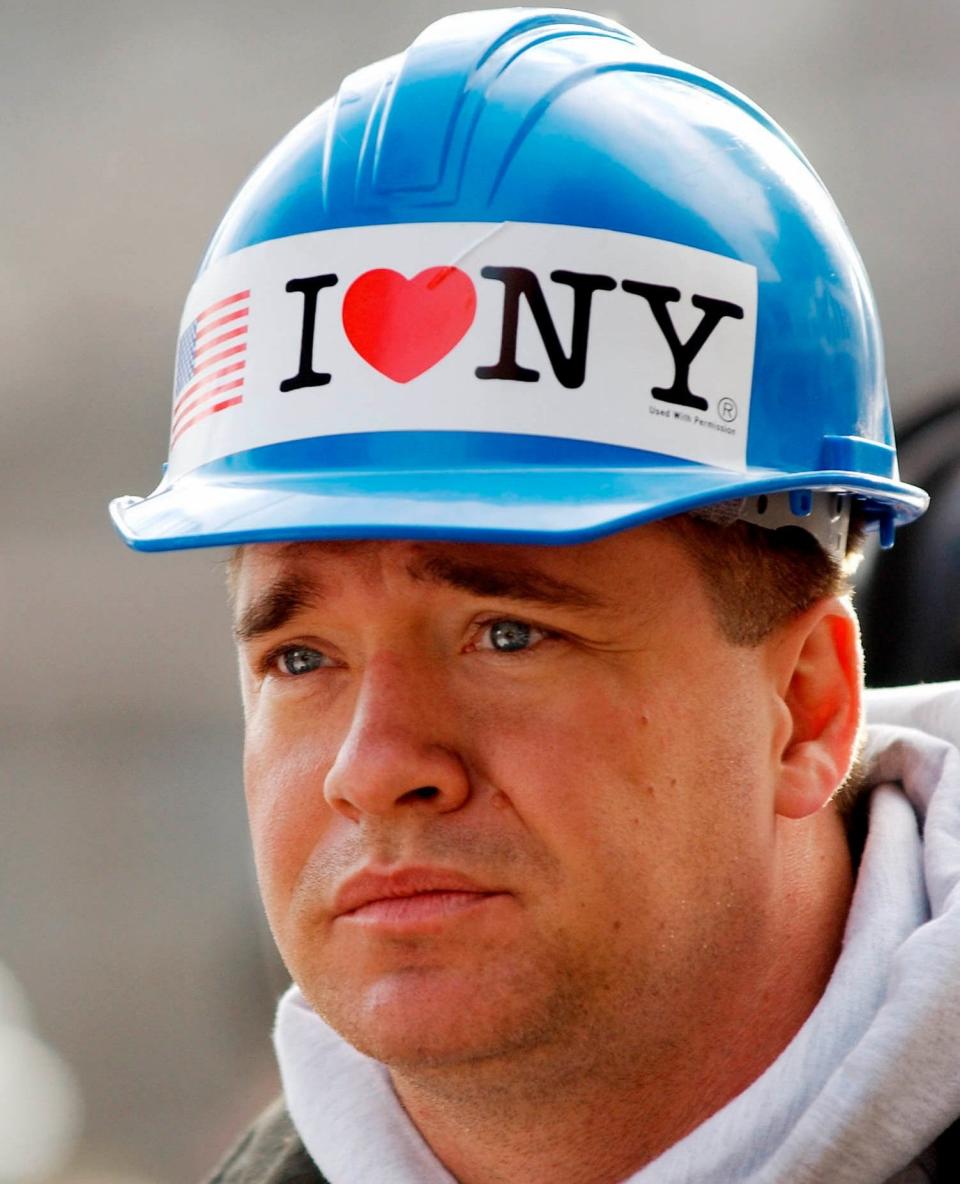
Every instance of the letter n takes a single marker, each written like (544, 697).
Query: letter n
(569, 369)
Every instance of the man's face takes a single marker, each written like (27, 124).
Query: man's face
(503, 797)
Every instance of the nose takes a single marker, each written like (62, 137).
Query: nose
(397, 753)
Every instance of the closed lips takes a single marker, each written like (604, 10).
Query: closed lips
(368, 887)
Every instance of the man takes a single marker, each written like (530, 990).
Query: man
(539, 384)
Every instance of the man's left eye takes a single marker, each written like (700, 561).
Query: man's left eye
(507, 636)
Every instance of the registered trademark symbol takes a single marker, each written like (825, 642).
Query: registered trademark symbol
(727, 409)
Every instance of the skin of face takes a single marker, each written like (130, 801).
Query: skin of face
(566, 729)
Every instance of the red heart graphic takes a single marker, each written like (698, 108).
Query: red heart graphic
(403, 327)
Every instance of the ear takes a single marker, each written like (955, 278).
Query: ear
(819, 674)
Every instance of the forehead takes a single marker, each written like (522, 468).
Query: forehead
(576, 572)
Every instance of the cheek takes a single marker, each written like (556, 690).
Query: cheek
(561, 754)
(709, 747)
(284, 773)
(616, 765)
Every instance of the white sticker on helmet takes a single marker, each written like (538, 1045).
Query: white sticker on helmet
(482, 327)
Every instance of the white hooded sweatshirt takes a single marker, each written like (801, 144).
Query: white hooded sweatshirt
(867, 1084)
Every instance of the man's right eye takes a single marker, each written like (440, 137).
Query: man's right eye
(300, 659)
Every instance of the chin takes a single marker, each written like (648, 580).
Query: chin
(420, 1019)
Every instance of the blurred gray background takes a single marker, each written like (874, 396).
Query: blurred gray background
(128, 907)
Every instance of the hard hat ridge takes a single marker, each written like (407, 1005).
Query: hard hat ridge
(422, 123)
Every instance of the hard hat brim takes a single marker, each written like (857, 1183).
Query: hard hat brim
(239, 501)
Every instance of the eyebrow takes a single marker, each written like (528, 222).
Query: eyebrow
(281, 601)
(272, 608)
(510, 583)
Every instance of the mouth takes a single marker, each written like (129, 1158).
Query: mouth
(409, 897)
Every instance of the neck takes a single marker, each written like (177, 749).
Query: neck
(608, 1101)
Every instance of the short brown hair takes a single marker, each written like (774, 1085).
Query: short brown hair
(759, 579)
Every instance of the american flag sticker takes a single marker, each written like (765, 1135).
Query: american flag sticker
(211, 359)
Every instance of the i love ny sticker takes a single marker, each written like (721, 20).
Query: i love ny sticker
(528, 328)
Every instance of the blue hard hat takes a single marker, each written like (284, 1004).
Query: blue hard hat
(530, 281)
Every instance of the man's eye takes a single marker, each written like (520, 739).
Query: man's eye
(300, 659)
(507, 636)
